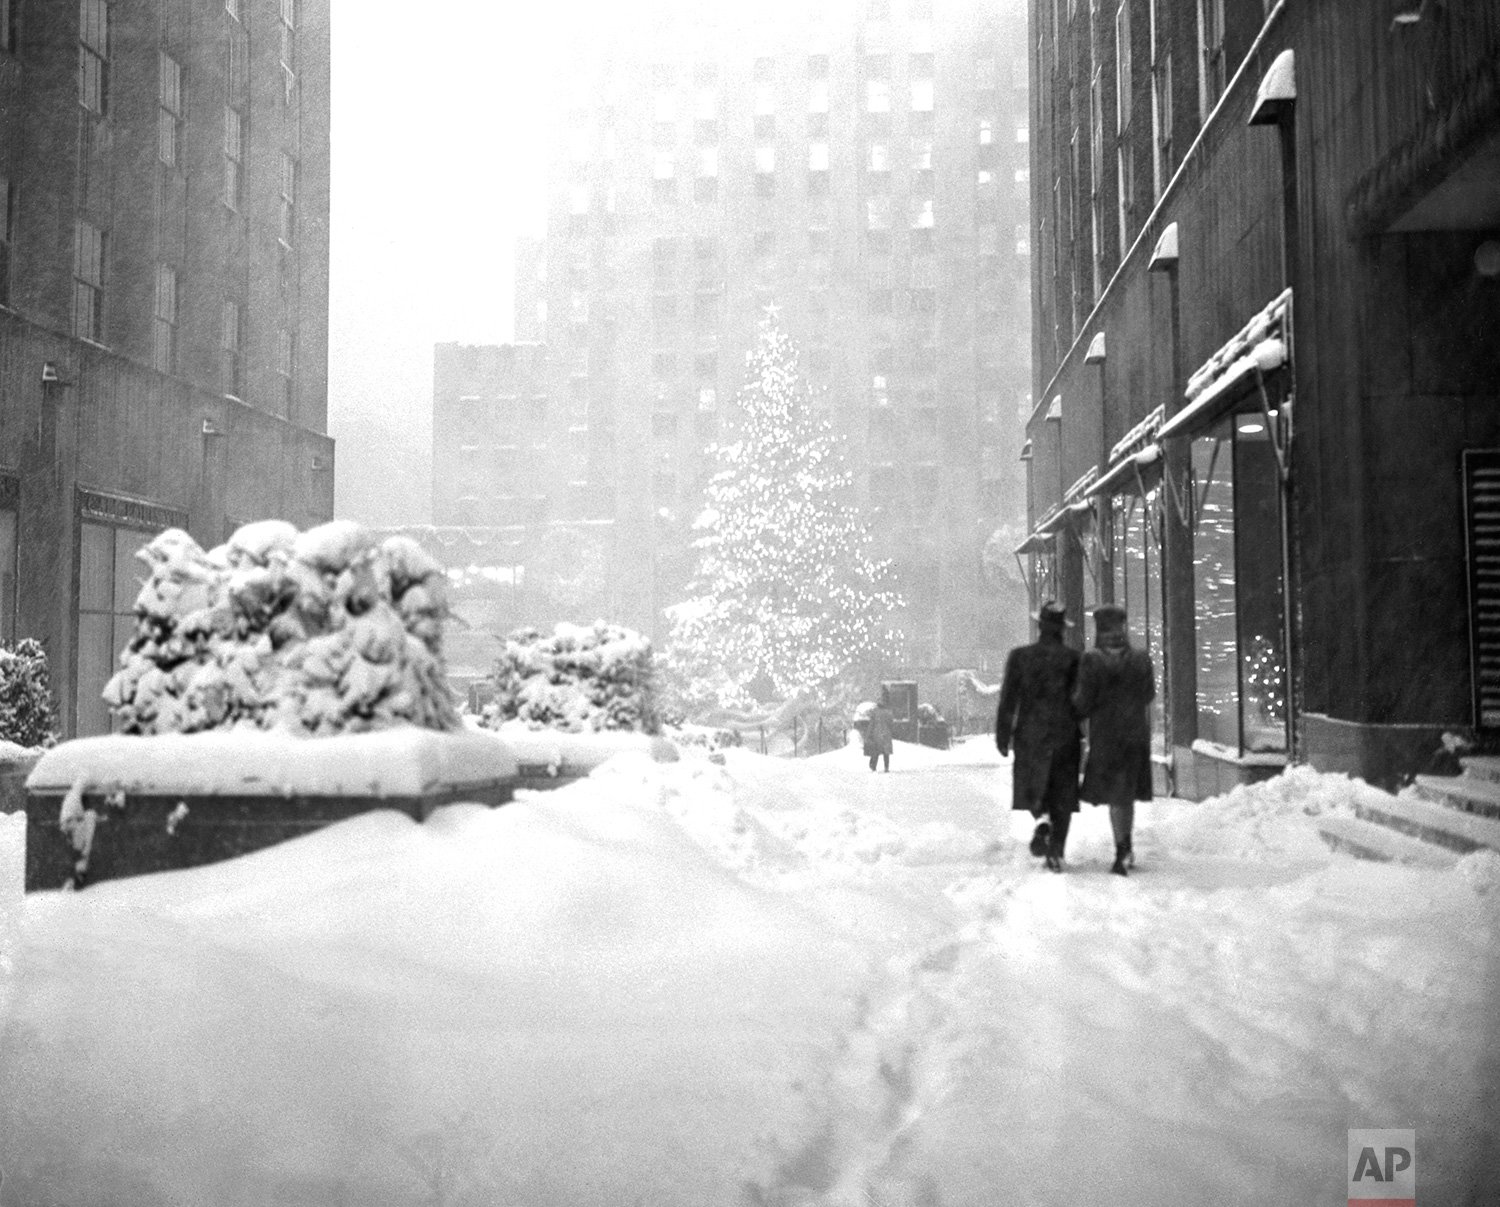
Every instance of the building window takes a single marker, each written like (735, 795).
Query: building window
(7, 235)
(817, 66)
(817, 96)
(288, 49)
(164, 348)
(93, 56)
(765, 100)
(1161, 123)
(920, 66)
(109, 579)
(664, 423)
(89, 246)
(8, 24)
(664, 486)
(288, 200)
(1125, 170)
(706, 133)
(880, 301)
(817, 125)
(1210, 55)
(286, 369)
(921, 213)
(1123, 80)
(877, 96)
(664, 365)
(921, 96)
(708, 398)
(234, 156)
(1096, 177)
(169, 108)
(231, 343)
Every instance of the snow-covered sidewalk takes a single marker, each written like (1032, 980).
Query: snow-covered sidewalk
(766, 982)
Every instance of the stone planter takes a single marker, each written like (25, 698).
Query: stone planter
(178, 801)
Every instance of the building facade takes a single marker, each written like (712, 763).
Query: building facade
(1266, 283)
(163, 300)
(860, 169)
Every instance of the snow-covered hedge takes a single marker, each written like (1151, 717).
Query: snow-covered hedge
(576, 679)
(319, 632)
(28, 713)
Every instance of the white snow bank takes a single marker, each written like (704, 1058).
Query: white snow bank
(570, 753)
(11, 752)
(403, 761)
(769, 982)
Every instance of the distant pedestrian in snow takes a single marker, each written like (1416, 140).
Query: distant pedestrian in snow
(1036, 715)
(1116, 684)
(880, 731)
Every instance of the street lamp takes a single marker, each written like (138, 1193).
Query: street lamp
(1097, 355)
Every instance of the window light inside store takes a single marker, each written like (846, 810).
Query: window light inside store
(1251, 426)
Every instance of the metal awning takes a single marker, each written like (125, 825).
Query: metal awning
(1127, 473)
(1228, 377)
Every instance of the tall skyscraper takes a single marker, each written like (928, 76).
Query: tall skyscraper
(860, 171)
(163, 299)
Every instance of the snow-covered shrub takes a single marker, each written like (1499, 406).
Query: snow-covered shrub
(28, 712)
(320, 632)
(576, 679)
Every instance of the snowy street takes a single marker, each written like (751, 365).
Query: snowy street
(767, 982)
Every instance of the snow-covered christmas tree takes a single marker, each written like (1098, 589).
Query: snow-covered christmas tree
(786, 588)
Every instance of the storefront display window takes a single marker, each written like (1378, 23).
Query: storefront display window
(109, 578)
(1237, 587)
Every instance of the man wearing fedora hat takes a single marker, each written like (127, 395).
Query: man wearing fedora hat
(1116, 684)
(1036, 716)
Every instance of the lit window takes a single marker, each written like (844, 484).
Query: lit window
(89, 244)
(665, 166)
(877, 96)
(817, 156)
(708, 161)
(921, 213)
(765, 159)
(986, 132)
(879, 158)
(169, 108)
(921, 96)
(708, 398)
(817, 96)
(765, 100)
(93, 55)
(878, 213)
(666, 107)
(984, 74)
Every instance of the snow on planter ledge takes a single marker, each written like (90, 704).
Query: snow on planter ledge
(103, 807)
(391, 763)
(546, 755)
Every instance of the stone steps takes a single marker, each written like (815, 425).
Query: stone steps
(1435, 820)
(1369, 840)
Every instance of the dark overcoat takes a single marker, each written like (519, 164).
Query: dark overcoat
(1036, 721)
(1114, 694)
(880, 731)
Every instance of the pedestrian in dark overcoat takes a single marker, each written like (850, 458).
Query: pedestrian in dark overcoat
(1116, 684)
(1036, 717)
(880, 732)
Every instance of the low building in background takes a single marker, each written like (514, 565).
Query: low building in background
(163, 301)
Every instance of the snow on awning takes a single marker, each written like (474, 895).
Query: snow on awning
(1227, 388)
(1125, 474)
(1258, 348)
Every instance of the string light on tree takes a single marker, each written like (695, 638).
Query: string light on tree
(785, 588)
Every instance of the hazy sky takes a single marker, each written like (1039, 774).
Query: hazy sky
(437, 154)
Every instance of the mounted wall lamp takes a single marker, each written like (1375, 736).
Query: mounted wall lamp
(1277, 95)
(1095, 354)
(320, 463)
(50, 375)
(1164, 256)
(209, 430)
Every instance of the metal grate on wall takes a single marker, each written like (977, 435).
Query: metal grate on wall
(1481, 468)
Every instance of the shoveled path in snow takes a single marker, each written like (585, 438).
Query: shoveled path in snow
(1204, 1031)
